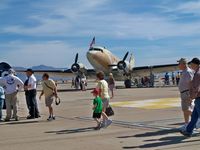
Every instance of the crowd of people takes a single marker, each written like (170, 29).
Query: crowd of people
(11, 85)
(188, 83)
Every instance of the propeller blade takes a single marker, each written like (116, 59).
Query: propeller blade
(125, 56)
(76, 58)
(112, 65)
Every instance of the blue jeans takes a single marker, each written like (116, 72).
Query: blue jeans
(194, 117)
(1, 106)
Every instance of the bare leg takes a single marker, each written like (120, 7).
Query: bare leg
(50, 111)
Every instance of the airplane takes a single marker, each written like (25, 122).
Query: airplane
(103, 60)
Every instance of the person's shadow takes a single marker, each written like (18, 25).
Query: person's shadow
(70, 131)
(163, 141)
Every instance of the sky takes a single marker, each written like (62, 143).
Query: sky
(51, 32)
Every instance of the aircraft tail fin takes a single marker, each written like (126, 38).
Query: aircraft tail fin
(92, 42)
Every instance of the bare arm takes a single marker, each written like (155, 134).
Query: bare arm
(41, 94)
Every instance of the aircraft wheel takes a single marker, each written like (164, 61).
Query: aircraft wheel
(127, 83)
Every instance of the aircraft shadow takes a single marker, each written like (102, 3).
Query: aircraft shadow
(163, 141)
(156, 133)
(166, 141)
(71, 131)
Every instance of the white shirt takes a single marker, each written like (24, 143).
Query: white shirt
(32, 82)
(11, 83)
(186, 78)
(103, 85)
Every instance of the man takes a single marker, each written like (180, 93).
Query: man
(49, 90)
(194, 92)
(184, 85)
(12, 85)
(30, 88)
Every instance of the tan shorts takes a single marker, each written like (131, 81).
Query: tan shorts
(105, 103)
(49, 100)
(185, 102)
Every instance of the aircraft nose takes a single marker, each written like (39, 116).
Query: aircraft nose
(90, 55)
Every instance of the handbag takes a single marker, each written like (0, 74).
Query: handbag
(109, 111)
(57, 101)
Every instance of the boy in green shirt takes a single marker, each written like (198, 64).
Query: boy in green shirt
(97, 108)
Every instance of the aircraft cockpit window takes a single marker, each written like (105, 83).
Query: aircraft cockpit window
(95, 49)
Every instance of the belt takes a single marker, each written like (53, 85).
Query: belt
(184, 91)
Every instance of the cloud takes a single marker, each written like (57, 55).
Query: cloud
(84, 18)
(191, 7)
(52, 53)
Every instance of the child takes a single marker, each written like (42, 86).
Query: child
(97, 107)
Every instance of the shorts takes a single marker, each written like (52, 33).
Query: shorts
(185, 102)
(96, 115)
(49, 100)
(111, 86)
(105, 103)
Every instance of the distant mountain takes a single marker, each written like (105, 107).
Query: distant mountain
(19, 68)
(40, 67)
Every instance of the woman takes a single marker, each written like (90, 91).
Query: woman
(103, 90)
(111, 84)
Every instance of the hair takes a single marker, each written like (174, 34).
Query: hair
(46, 75)
(100, 75)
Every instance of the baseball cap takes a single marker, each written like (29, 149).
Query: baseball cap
(95, 91)
(30, 70)
(195, 61)
(182, 60)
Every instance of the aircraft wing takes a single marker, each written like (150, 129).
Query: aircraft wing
(146, 70)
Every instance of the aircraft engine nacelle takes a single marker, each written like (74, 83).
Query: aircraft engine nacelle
(123, 67)
(77, 67)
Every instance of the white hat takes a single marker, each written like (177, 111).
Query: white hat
(11, 71)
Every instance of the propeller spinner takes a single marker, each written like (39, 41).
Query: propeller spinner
(75, 67)
(122, 64)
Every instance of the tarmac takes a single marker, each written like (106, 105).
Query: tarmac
(145, 118)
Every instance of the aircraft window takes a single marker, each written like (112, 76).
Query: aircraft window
(95, 49)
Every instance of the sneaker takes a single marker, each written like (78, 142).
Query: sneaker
(50, 118)
(183, 127)
(7, 119)
(198, 124)
(53, 117)
(97, 127)
(17, 118)
(185, 133)
(108, 122)
(37, 116)
(103, 124)
(30, 117)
